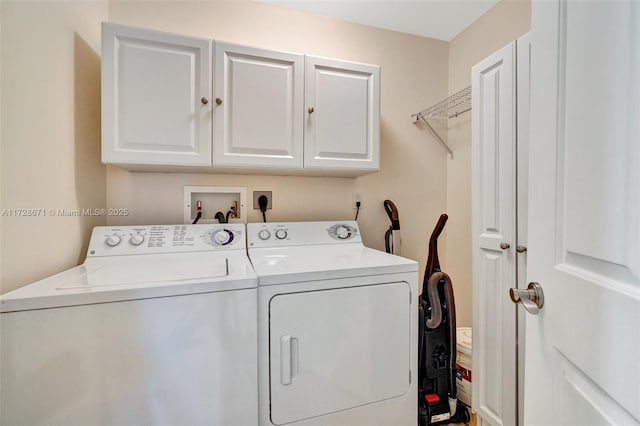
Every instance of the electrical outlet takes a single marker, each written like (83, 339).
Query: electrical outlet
(257, 194)
(355, 197)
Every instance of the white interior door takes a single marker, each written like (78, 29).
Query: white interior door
(494, 236)
(582, 349)
(331, 350)
(259, 119)
(523, 89)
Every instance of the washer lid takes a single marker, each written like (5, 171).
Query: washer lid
(117, 278)
(280, 265)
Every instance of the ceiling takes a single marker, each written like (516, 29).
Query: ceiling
(439, 19)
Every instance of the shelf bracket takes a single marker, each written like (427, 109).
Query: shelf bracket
(443, 143)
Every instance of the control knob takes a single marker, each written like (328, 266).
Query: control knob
(343, 232)
(113, 240)
(264, 234)
(281, 234)
(222, 237)
(136, 239)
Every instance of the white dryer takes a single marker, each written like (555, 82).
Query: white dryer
(337, 327)
(157, 327)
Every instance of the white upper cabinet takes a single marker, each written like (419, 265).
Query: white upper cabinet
(179, 103)
(156, 91)
(342, 125)
(258, 113)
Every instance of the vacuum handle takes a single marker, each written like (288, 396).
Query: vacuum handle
(442, 220)
(392, 212)
(433, 263)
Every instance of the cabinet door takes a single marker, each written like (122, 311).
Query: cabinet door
(342, 115)
(258, 116)
(493, 237)
(156, 90)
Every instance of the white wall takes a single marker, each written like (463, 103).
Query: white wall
(413, 167)
(505, 22)
(50, 133)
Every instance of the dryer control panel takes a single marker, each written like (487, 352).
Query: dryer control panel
(285, 234)
(149, 239)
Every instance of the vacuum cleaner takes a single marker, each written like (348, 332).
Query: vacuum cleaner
(437, 393)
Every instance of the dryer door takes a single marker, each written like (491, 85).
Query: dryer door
(336, 349)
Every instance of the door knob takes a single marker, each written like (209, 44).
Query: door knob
(521, 249)
(218, 101)
(204, 101)
(504, 245)
(532, 298)
(311, 110)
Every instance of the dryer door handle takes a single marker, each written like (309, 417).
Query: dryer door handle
(289, 364)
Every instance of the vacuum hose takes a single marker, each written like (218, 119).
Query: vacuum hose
(434, 299)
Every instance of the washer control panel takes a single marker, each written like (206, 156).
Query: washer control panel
(148, 239)
(301, 233)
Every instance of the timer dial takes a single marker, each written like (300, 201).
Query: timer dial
(343, 232)
(281, 234)
(113, 240)
(222, 237)
(264, 234)
(136, 239)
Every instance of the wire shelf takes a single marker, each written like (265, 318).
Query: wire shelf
(450, 107)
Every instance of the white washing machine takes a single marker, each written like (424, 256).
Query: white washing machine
(156, 327)
(337, 327)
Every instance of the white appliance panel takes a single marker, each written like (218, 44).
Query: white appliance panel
(157, 239)
(286, 234)
(337, 349)
(111, 279)
(286, 265)
(146, 331)
(173, 360)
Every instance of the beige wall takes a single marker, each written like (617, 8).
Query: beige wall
(505, 22)
(414, 74)
(50, 133)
